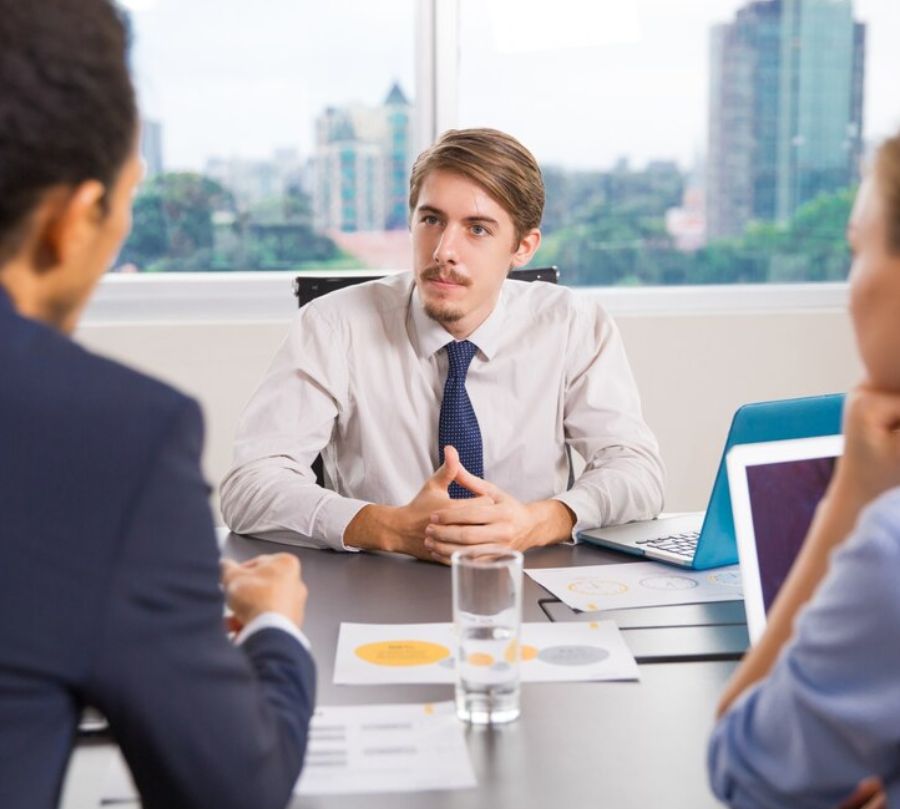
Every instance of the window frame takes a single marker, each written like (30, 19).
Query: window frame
(266, 296)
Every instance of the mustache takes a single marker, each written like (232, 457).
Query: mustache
(448, 275)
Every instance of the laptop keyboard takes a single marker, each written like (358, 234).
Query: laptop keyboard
(683, 544)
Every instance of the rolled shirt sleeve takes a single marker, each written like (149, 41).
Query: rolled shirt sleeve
(623, 477)
(271, 491)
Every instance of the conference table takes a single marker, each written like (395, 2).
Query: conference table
(588, 744)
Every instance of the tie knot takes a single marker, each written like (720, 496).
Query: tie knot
(460, 355)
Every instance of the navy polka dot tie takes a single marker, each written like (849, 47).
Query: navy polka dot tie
(458, 425)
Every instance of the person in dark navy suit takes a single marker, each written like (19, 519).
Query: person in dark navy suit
(111, 591)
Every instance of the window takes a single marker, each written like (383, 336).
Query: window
(702, 142)
(276, 136)
(712, 141)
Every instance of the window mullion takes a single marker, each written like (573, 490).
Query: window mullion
(437, 69)
(446, 61)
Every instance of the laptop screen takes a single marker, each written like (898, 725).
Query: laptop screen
(775, 488)
(783, 501)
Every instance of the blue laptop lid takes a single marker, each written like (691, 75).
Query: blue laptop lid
(762, 421)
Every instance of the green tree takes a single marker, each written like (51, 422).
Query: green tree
(811, 247)
(190, 222)
(173, 223)
(818, 234)
(149, 239)
(608, 228)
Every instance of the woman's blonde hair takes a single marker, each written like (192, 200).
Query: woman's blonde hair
(887, 172)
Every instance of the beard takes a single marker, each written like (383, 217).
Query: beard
(442, 311)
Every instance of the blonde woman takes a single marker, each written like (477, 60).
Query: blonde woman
(813, 713)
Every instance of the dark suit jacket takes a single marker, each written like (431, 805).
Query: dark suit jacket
(109, 593)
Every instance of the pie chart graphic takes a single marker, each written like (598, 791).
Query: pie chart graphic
(597, 587)
(726, 578)
(572, 655)
(669, 583)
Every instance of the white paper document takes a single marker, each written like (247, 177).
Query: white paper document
(638, 584)
(385, 748)
(356, 749)
(373, 654)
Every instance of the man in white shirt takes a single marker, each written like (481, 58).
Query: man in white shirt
(394, 379)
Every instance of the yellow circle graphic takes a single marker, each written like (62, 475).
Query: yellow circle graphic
(480, 659)
(402, 653)
(525, 653)
(528, 653)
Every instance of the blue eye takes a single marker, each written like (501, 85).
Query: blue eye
(479, 230)
(429, 219)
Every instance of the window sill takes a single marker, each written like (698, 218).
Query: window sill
(268, 296)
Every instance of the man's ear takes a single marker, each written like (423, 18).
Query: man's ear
(527, 248)
(71, 223)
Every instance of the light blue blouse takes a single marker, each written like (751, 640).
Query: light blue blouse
(828, 715)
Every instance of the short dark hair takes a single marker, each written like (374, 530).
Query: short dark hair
(493, 160)
(67, 105)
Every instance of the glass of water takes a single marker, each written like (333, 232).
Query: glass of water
(487, 616)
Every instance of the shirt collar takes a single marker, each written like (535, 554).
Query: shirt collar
(430, 336)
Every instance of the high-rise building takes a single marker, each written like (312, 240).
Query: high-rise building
(350, 188)
(744, 87)
(151, 147)
(361, 166)
(822, 55)
(785, 122)
(399, 157)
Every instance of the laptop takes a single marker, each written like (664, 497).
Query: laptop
(706, 539)
(775, 488)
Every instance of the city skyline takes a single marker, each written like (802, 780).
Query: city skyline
(245, 95)
(644, 205)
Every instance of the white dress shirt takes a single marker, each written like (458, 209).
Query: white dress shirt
(360, 378)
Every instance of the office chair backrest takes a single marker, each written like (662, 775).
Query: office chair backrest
(309, 286)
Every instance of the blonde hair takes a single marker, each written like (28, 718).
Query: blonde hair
(887, 172)
(497, 162)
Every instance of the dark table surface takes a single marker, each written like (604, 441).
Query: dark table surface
(621, 745)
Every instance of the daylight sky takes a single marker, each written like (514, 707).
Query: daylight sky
(232, 78)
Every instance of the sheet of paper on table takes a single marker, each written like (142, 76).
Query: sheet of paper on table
(355, 749)
(637, 584)
(386, 748)
(384, 654)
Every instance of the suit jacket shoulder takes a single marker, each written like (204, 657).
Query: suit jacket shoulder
(109, 593)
